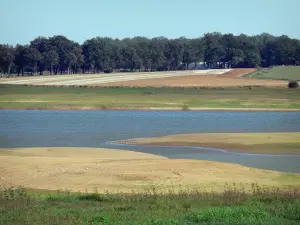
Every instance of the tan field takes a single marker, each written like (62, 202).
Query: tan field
(199, 78)
(87, 169)
(256, 143)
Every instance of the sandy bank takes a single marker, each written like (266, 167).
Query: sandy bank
(87, 169)
(154, 108)
(253, 143)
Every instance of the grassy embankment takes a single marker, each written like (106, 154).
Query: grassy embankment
(278, 73)
(24, 97)
(231, 207)
(255, 143)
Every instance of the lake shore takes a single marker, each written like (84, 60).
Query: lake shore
(87, 169)
(153, 109)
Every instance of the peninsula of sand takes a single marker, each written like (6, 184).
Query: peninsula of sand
(92, 169)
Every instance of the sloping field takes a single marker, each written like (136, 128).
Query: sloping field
(79, 169)
(203, 78)
(232, 78)
(98, 79)
(278, 73)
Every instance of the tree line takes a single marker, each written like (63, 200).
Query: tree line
(59, 55)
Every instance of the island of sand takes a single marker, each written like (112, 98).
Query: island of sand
(287, 143)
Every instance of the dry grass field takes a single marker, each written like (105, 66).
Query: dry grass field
(255, 143)
(87, 169)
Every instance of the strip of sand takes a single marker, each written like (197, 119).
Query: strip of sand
(68, 107)
(87, 169)
(256, 143)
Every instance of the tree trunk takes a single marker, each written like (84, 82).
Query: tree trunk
(9, 68)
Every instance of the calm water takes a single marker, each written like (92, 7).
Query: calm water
(30, 128)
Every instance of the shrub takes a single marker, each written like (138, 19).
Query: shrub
(185, 108)
(91, 197)
(293, 84)
(108, 71)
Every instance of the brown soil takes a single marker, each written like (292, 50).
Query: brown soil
(232, 78)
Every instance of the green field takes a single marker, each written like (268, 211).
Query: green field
(232, 207)
(25, 97)
(278, 73)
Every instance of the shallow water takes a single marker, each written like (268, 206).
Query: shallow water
(38, 128)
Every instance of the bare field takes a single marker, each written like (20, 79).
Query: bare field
(86, 169)
(101, 79)
(202, 78)
(233, 78)
(255, 143)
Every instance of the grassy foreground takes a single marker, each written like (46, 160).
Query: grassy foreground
(278, 73)
(261, 143)
(232, 207)
(25, 97)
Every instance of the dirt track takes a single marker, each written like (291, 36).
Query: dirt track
(86, 169)
(203, 78)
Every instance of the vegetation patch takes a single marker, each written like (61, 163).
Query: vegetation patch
(293, 84)
(233, 206)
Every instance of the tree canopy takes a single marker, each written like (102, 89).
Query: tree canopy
(59, 55)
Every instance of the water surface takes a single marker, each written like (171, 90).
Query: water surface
(43, 128)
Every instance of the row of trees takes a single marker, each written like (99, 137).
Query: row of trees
(58, 54)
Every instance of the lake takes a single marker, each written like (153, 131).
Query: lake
(45, 128)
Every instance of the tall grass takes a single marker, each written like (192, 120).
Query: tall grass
(260, 205)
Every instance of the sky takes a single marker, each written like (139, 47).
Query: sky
(23, 20)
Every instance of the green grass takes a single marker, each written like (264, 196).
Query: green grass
(278, 73)
(25, 97)
(233, 206)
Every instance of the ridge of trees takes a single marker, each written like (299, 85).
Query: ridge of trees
(59, 55)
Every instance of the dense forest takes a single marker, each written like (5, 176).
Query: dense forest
(59, 55)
